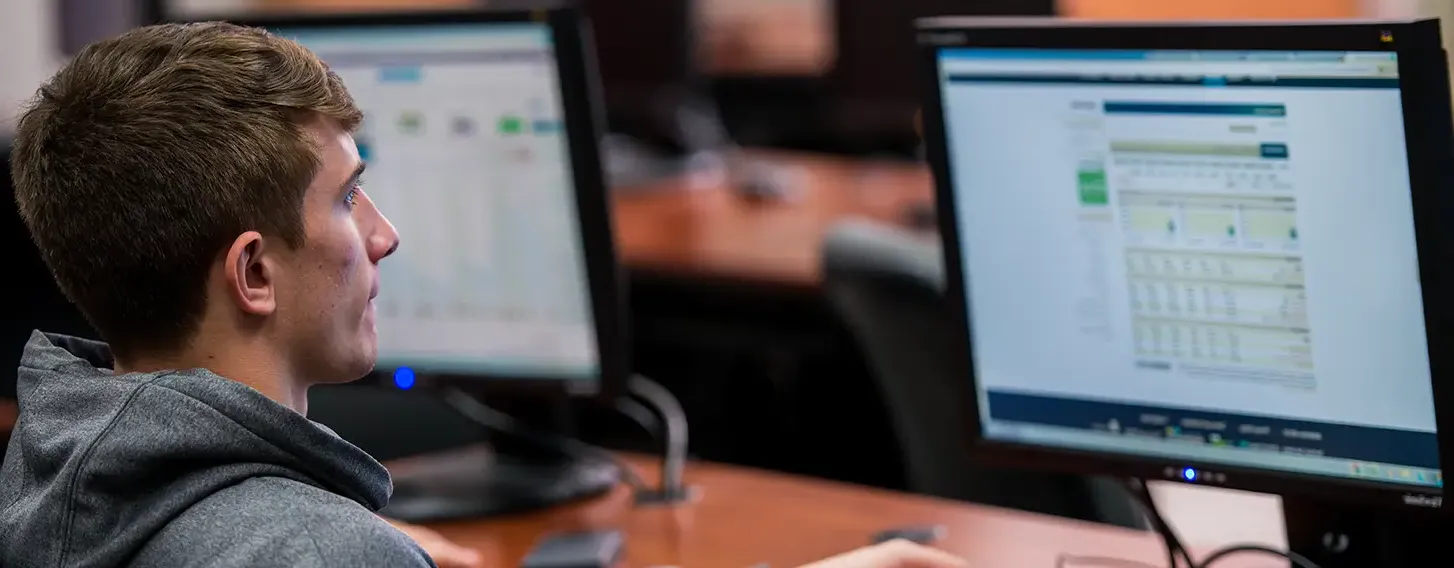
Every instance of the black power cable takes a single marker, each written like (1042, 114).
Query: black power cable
(1177, 555)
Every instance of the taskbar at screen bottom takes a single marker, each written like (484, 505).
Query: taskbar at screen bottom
(1293, 446)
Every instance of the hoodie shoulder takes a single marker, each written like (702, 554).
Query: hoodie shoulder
(276, 522)
(101, 463)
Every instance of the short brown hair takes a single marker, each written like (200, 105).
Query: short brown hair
(142, 159)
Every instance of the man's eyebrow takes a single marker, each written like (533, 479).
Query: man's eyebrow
(352, 179)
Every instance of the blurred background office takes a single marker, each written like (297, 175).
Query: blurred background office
(754, 286)
(751, 38)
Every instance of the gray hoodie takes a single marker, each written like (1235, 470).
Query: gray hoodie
(181, 468)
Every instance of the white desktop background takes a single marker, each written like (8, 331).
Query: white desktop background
(1014, 174)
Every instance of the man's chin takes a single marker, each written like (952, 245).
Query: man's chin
(366, 365)
(357, 369)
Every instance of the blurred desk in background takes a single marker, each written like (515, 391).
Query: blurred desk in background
(712, 233)
(738, 37)
(1213, 10)
(9, 411)
(728, 312)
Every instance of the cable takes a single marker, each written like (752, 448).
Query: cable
(1298, 560)
(493, 419)
(640, 414)
(674, 452)
(1174, 543)
(1174, 548)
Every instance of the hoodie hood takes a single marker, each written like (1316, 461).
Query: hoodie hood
(99, 462)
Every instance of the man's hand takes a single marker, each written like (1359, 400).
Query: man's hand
(445, 553)
(892, 554)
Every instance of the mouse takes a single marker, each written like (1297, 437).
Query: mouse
(921, 216)
(925, 535)
(763, 184)
(761, 190)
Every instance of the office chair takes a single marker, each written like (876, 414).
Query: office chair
(887, 286)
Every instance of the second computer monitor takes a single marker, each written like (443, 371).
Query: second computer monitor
(1199, 258)
(479, 139)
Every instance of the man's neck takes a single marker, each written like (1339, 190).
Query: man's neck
(250, 366)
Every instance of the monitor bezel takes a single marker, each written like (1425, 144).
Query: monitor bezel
(581, 101)
(1428, 127)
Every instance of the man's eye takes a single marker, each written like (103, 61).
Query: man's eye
(353, 192)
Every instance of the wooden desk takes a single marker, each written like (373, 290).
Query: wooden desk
(709, 232)
(744, 517)
(764, 38)
(9, 412)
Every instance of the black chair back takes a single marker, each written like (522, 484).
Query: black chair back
(887, 287)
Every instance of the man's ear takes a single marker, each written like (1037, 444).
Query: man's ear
(249, 276)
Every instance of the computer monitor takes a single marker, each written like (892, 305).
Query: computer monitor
(1204, 253)
(480, 140)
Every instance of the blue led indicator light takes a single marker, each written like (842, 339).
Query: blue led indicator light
(404, 378)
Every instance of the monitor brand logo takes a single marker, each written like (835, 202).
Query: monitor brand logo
(1426, 501)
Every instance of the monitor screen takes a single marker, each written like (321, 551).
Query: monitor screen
(1202, 256)
(467, 155)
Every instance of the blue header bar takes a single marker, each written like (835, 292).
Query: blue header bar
(1041, 54)
(1189, 81)
(1204, 109)
(398, 65)
(401, 74)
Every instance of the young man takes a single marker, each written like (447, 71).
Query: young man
(194, 189)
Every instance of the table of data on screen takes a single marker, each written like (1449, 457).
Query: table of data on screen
(1210, 241)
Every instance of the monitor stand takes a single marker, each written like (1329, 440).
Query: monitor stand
(1338, 536)
(490, 481)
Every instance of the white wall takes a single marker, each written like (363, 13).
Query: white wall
(1443, 9)
(29, 41)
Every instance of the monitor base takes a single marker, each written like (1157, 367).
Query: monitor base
(1347, 537)
(476, 482)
